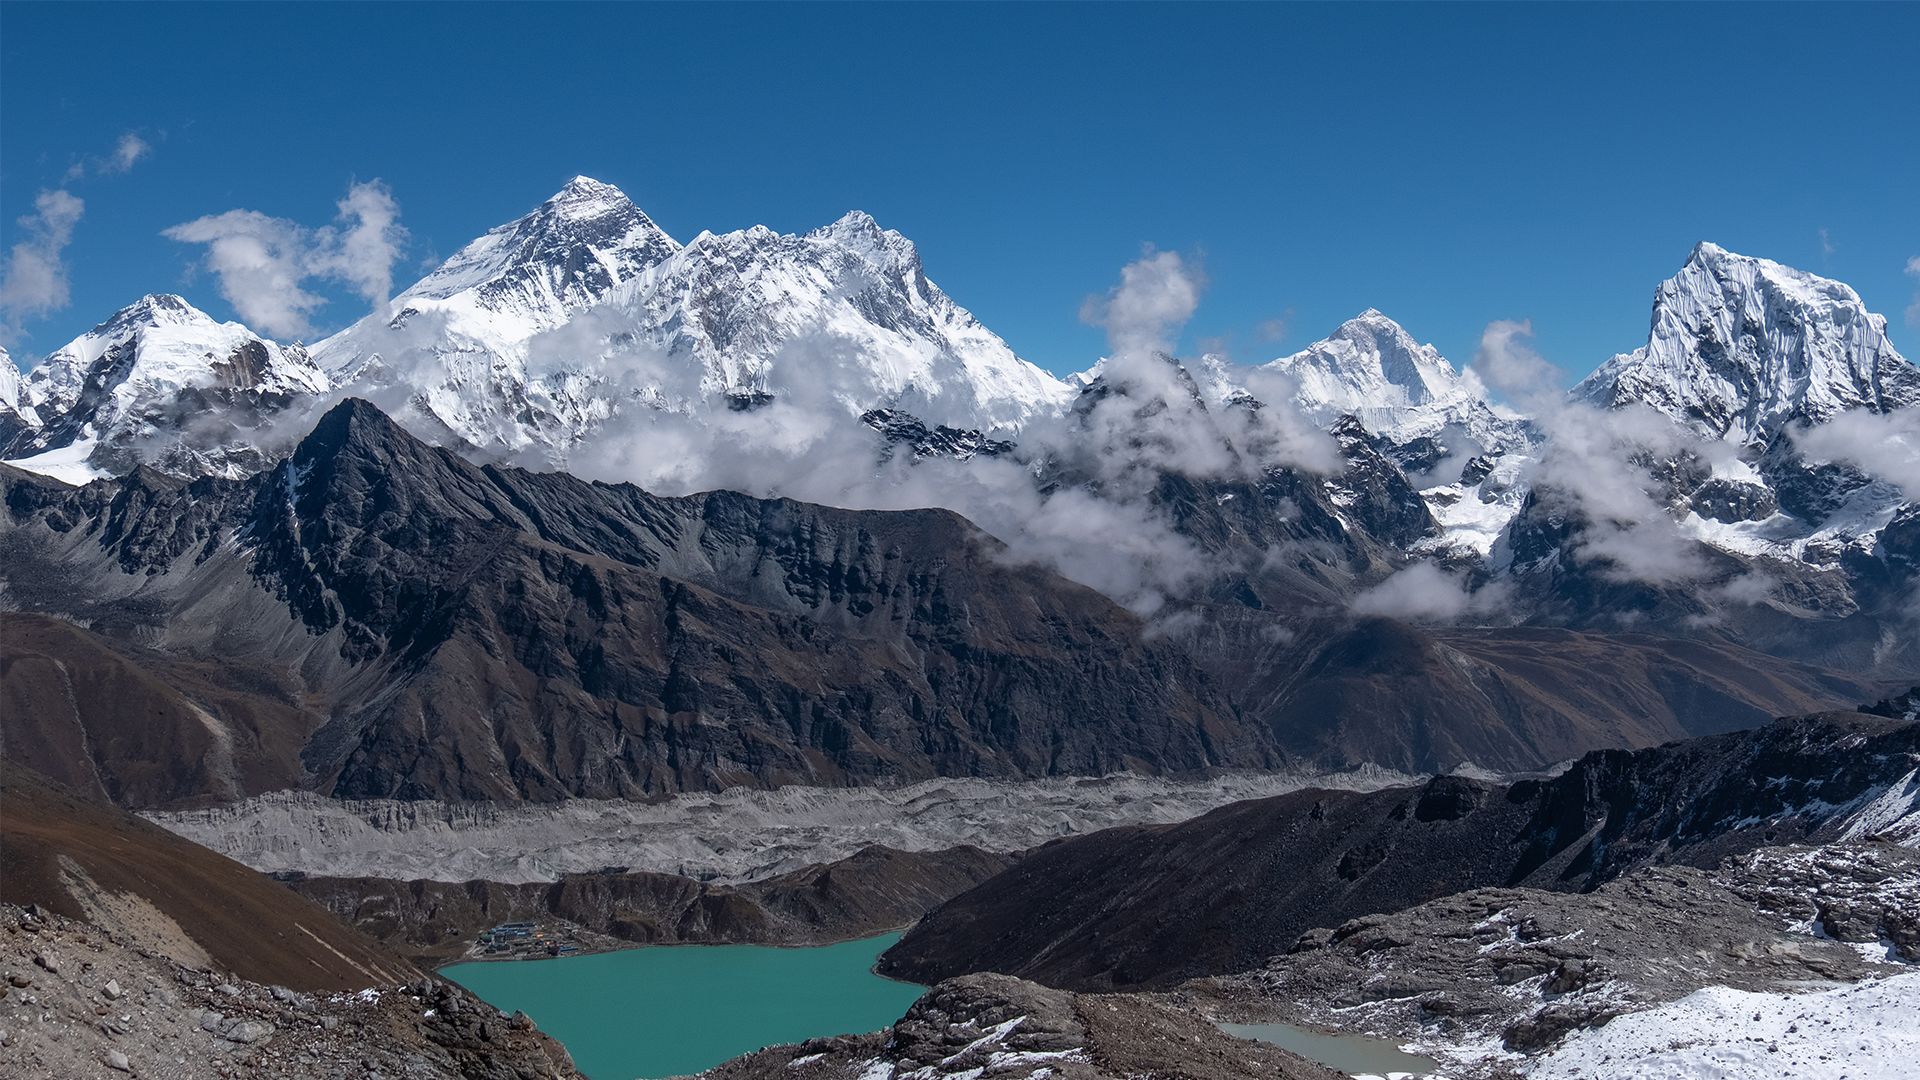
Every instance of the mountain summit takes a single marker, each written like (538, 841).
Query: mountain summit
(1740, 347)
(161, 383)
(1370, 368)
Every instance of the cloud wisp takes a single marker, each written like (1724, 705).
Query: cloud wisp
(1886, 445)
(35, 281)
(1593, 466)
(264, 265)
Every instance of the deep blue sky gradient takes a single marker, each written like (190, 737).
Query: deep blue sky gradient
(1450, 165)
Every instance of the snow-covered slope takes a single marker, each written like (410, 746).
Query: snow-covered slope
(1464, 452)
(538, 332)
(1863, 1031)
(159, 383)
(1741, 347)
(1373, 370)
(843, 314)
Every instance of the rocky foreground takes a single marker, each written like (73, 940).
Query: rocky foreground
(995, 1027)
(1514, 971)
(82, 1003)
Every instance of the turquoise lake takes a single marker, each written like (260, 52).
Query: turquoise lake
(676, 1009)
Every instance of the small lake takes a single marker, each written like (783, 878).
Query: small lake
(674, 1009)
(1357, 1054)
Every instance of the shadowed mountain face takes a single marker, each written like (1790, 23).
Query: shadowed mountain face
(436, 629)
(381, 618)
(1151, 906)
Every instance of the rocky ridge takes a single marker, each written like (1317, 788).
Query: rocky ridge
(1149, 907)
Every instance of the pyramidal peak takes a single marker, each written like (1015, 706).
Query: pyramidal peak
(1370, 367)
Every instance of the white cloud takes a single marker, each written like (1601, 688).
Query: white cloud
(127, 151)
(35, 281)
(1157, 294)
(264, 263)
(1884, 444)
(260, 262)
(1425, 593)
(364, 253)
(1594, 465)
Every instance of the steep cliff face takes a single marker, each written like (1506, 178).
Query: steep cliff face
(486, 633)
(1740, 347)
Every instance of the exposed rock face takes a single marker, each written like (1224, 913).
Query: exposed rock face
(904, 429)
(488, 633)
(1221, 893)
(83, 1003)
(875, 890)
(990, 1027)
(1526, 967)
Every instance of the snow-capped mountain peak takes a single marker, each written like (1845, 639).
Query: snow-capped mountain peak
(1372, 369)
(563, 256)
(1740, 346)
(844, 313)
(120, 394)
(454, 346)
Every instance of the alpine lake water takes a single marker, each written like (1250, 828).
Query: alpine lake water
(1357, 1055)
(672, 1010)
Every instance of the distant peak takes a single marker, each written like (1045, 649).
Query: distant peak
(587, 187)
(153, 309)
(1374, 321)
(857, 219)
(856, 224)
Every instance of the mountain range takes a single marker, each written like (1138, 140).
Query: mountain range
(408, 547)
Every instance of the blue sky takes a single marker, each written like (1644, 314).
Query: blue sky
(1450, 165)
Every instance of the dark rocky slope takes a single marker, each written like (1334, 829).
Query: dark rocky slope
(139, 727)
(1510, 699)
(380, 618)
(464, 632)
(88, 860)
(874, 890)
(1221, 893)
